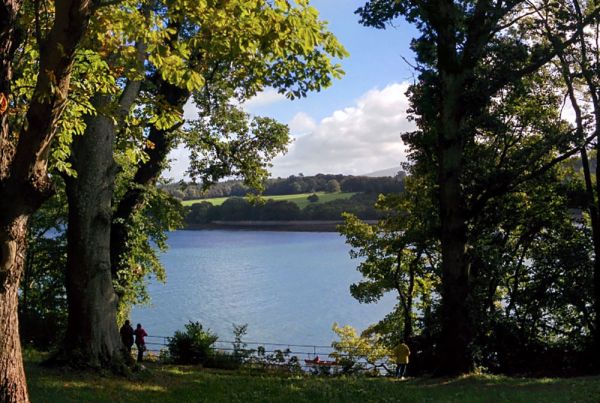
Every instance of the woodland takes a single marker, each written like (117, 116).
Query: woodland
(492, 247)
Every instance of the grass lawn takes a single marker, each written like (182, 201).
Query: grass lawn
(190, 384)
(299, 199)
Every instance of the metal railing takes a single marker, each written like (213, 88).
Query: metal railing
(307, 357)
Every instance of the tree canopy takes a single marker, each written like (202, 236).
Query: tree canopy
(491, 148)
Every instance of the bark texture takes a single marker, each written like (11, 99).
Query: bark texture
(92, 338)
(9, 39)
(24, 183)
(13, 387)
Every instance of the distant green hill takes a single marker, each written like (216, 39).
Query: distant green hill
(292, 207)
(300, 199)
(292, 185)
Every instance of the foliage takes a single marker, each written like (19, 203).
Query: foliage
(531, 270)
(487, 151)
(192, 346)
(221, 54)
(354, 352)
(228, 143)
(42, 300)
(91, 75)
(279, 361)
(147, 238)
(313, 198)
(398, 254)
(240, 349)
(216, 56)
(333, 186)
(578, 72)
(240, 209)
(292, 185)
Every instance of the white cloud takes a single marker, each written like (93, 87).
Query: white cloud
(264, 98)
(355, 140)
(301, 124)
(359, 139)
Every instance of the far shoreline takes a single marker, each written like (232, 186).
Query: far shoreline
(299, 226)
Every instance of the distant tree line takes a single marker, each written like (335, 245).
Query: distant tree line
(293, 184)
(241, 209)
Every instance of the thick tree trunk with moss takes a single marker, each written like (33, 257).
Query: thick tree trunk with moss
(92, 337)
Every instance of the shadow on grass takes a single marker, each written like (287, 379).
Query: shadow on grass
(159, 383)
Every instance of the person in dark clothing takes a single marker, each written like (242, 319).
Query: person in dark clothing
(140, 343)
(127, 336)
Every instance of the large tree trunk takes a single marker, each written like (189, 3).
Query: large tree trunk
(92, 337)
(588, 61)
(13, 387)
(457, 332)
(592, 192)
(24, 183)
(146, 175)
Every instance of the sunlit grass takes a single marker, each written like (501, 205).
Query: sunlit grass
(191, 384)
(300, 199)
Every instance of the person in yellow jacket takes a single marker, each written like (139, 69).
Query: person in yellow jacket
(401, 353)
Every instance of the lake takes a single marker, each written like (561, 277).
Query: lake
(289, 287)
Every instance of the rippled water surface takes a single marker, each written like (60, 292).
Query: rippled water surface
(289, 287)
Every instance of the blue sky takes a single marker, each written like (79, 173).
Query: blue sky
(375, 61)
(354, 126)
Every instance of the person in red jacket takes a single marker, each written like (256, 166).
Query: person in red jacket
(140, 343)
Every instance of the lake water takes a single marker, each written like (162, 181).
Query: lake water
(289, 287)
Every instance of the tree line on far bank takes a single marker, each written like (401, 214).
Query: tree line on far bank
(294, 184)
(361, 205)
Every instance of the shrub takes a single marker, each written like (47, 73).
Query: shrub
(222, 360)
(357, 352)
(313, 198)
(193, 346)
(226, 360)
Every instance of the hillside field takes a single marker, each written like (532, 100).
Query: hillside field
(300, 199)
